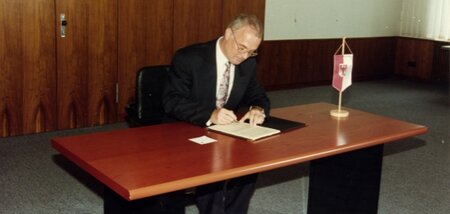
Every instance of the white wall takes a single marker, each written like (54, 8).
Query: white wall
(318, 19)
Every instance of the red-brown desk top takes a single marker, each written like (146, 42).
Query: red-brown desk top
(146, 161)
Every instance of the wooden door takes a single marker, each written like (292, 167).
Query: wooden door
(102, 64)
(27, 67)
(11, 74)
(145, 38)
(87, 62)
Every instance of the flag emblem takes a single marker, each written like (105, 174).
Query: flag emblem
(342, 71)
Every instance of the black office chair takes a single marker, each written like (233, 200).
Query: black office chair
(147, 108)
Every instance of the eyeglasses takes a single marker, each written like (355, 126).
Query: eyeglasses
(242, 49)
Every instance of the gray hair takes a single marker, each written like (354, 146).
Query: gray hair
(247, 20)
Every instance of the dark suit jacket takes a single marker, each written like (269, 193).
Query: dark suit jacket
(190, 92)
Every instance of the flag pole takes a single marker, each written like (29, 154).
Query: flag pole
(339, 112)
(340, 91)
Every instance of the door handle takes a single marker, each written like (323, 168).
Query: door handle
(63, 22)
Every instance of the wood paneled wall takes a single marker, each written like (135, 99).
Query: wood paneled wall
(294, 63)
(422, 59)
(150, 31)
(414, 57)
(145, 38)
(231, 8)
(49, 82)
(441, 63)
(196, 21)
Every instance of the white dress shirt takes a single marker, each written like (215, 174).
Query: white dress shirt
(221, 61)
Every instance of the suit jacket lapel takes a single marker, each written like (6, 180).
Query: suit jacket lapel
(209, 83)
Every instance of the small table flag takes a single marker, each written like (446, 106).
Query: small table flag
(342, 75)
(342, 71)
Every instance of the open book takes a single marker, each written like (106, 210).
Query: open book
(271, 126)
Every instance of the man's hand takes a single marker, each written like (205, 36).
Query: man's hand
(222, 116)
(255, 116)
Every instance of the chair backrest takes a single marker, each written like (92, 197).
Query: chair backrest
(148, 107)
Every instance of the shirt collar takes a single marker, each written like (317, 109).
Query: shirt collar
(220, 56)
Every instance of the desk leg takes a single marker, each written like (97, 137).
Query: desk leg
(170, 203)
(346, 183)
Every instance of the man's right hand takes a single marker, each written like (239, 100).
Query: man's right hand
(222, 116)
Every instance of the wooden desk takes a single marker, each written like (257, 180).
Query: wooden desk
(147, 161)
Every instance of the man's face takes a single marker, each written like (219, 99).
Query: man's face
(240, 44)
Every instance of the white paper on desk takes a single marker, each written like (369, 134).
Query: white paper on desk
(202, 140)
(245, 130)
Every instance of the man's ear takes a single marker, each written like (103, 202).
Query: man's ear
(228, 33)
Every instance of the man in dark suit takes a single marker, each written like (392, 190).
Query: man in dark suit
(207, 84)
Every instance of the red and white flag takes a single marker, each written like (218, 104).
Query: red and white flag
(342, 71)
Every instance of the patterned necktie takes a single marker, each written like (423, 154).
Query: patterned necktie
(223, 87)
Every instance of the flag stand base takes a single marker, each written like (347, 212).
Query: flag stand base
(339, 113)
